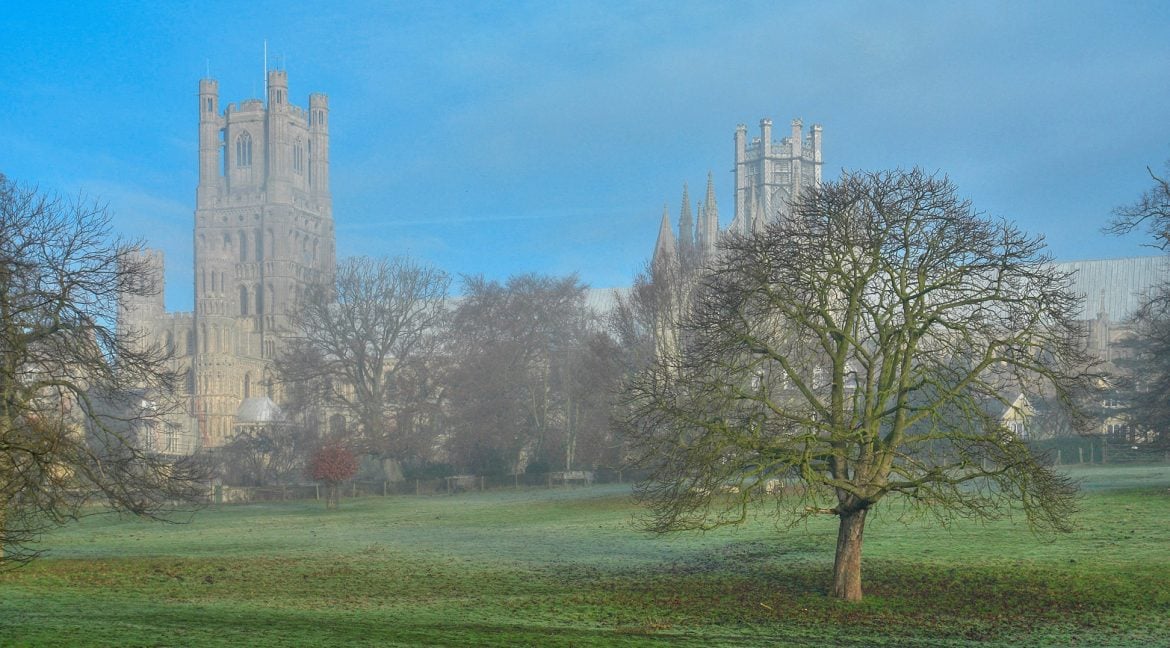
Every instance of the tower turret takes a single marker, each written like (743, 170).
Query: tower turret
(209, 145)
(816, 153)
(275, 137)
(686, 225)
(319, 145)
(739, 224)
(708, 219)
(765, 193)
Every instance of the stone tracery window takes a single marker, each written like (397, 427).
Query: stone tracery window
(298, 157)
(244, 150)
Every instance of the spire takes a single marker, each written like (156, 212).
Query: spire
(664, 249)
(708, 219)
(686, 224)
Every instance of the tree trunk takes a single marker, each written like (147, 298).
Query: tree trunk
(847, 565)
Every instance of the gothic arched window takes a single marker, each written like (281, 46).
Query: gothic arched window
(299, 157)
(243, 300)
(244, 150)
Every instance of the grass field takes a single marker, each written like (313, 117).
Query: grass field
(565, 567)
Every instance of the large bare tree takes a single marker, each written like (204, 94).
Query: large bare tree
(865, 346)
(361, 341)
(517, 383)
(1144, 363)
(77, 398)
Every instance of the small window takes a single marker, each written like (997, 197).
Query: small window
(207, 105)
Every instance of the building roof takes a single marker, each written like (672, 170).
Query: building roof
(1116, 287)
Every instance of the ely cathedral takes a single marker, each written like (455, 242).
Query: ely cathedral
(263, 234)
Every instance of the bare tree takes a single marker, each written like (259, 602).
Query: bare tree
(361, 339)
(262, 455)
(76, 397)
(1144, 362)
(1140, 384)
(517, 347)
(866, 346)
(1152, 211)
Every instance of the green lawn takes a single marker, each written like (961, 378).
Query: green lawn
(565, 567)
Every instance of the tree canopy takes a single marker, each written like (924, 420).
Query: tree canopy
(1142, 384)
(867, 345)
(361, 341)
(78, 400)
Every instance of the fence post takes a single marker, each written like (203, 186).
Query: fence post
(1058, 457)
(354, 491)
(619, 475)
(549, 475)
(318, 489)
(384, 484)
(1081, 453)
(417, 488)
(516, 478)
(481, 478)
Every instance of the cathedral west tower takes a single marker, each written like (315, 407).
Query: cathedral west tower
(263, 234)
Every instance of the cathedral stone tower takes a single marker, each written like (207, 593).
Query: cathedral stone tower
(769, 175)
(263, 234)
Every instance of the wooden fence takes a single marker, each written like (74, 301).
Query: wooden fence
(450, 485)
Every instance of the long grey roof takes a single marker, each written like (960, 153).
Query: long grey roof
(1116, 286)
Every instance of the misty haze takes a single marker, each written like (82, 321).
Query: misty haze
(585, 324)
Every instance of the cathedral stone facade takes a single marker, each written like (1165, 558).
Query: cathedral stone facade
(769, 176)
(263, 235)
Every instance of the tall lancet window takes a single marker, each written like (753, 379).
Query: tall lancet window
(244, 150)
(299, 157)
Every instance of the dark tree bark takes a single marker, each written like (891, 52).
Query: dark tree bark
(847, 560)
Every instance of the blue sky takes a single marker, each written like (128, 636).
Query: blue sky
(500, 138)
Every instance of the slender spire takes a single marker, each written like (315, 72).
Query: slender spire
(664, 249)
(709, 219)
(686, 224)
